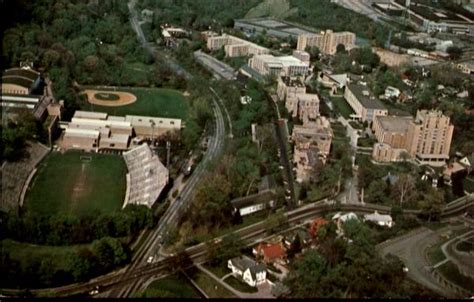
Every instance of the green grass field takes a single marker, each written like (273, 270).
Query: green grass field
(341, 106)
(159, 102)
(65, 184)
(174, 286)
(25, 253)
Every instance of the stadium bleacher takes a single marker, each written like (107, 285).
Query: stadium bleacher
(146, 177)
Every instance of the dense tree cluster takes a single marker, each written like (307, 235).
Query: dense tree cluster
(199, 15)
(16, 132)
(356, 61)
(60, 268)
(67, 230)
(340, 268)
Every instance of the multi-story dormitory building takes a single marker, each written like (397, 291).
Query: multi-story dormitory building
(426, 138)
(327, 41)
(233, 46)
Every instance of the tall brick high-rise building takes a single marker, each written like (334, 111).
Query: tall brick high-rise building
(429, 137)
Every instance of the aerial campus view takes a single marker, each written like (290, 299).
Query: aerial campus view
(261, 149)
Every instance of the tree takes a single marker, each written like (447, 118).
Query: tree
(432, 204)
(454, 52)
(229, 247)
(340, 48)
(295, 247)
(314, 52)
(276, 222)
(403, 187)
(109, 252)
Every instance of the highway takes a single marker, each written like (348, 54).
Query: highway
(218, 68)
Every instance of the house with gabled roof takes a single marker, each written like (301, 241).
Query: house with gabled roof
(270, 252)
(251, 272)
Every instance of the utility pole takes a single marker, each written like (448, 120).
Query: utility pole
(168, 148)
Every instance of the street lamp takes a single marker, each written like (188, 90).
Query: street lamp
(152, 130)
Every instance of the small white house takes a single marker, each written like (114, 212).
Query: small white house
(392, 92)
(382, 220)
(250, 271)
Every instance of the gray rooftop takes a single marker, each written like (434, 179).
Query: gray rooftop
(243, 263)
(395, 123)
(365, 100)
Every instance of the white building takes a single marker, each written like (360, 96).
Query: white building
(268, 65)
(382, 220)
(392, 92)
(251, 272)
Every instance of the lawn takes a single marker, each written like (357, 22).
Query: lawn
(469, 184)
(209, 285)
(240, 285)
(67, 184)
(366, 142)
(451, 272)
(159, 102)
(219, 271)
(342, 107)
(435, 254)
(27, 253)
(174, 286)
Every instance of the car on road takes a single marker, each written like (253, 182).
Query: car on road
(150, 259)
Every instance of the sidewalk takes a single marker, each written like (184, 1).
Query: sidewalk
(264, 290)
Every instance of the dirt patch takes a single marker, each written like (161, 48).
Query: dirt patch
(123, 98)
(79, 187)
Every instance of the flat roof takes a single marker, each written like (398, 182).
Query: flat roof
(146, 121)
(82, 132)
(99, 123)
(90, 115)
(394, 123)
(365, 100)
(116, 138)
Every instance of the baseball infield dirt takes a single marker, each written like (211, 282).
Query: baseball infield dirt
(125, 98)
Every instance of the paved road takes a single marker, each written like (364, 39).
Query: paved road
(141, 36)
(411, 250)
(152, 245)
(218, 68)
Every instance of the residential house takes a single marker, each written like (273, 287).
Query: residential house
(382, 220)
(250, 271)
(305, 238)
(340, 219)
(270, 252)
(468, 162)
(392, 92)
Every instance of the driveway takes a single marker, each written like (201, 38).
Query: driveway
(264, 290)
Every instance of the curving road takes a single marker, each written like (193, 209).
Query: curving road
(168, 221)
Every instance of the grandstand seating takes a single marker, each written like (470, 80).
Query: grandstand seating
(15, 174)
(146, 178)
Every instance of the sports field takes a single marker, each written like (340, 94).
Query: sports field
(70, 184)
(150, 102)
